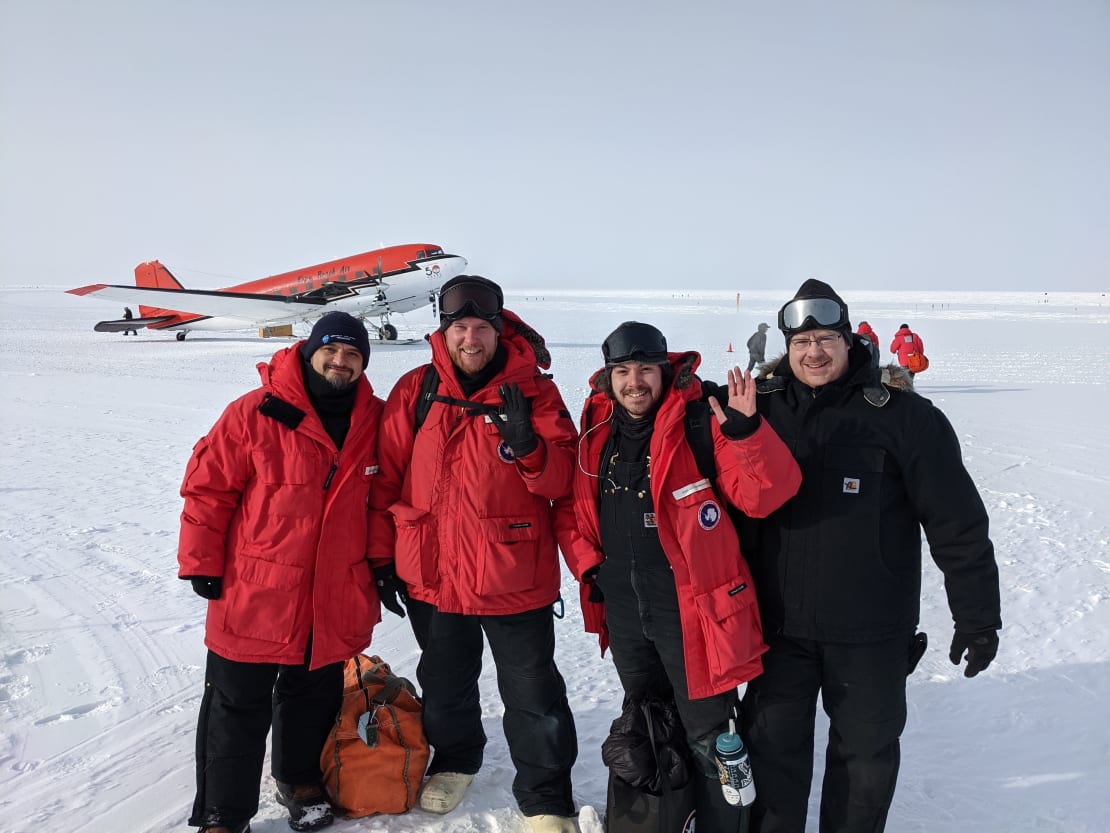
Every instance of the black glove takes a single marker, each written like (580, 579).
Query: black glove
(981, 648)
(516, 428)
(391, 590)
(589, 578)
(738, 426)
(207, 587)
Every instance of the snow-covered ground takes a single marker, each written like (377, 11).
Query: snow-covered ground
(101, 650)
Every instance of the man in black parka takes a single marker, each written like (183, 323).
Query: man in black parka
(838, 571)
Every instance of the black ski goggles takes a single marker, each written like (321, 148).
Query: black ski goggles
(635, 342)
(480, 299)
(820, 312)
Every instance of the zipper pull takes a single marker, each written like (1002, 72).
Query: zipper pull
(331, 472)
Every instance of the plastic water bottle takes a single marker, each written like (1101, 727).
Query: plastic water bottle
(734, 768)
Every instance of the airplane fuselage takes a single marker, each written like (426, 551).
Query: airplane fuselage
(395, 279)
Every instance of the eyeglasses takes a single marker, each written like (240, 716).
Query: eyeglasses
(633, 341)
(480, 299)
(824, 312)
(800, 345)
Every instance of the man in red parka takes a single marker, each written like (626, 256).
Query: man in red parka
(464, 500)
(274, 535)
(663, 576)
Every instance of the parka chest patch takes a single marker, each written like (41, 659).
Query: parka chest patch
(851, 485)
(505, 453)
(709, 515)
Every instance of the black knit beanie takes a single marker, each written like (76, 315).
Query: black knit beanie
(338, 327)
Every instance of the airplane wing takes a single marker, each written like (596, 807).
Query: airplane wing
(251, 308)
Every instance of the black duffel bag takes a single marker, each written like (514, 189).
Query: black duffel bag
(651, 785)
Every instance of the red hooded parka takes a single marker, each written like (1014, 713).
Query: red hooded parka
(721, 632)
(473, 528)
(279, 513)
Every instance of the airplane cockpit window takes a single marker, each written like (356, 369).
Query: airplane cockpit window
(421, 253)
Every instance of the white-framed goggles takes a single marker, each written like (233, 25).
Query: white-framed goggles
(822, 312)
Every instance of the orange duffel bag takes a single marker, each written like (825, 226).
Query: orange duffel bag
(375, 756)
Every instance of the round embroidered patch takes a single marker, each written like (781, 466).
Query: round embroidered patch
(505, 453)
(709, 514)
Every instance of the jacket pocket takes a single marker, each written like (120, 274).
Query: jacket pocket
(286, 483)
(508, 553)
(416, 553)
(730, 626)
(360, 610)
(261, 600)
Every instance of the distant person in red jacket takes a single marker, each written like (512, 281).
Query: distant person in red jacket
(906, 341)
(464, 504)
(864, 329)
(274, 535)
(664, 582)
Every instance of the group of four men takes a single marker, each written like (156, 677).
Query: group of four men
(311, 501)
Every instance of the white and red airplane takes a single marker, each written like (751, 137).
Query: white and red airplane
(377, 283)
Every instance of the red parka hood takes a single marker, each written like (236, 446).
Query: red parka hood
(525, 348)
(283, 376)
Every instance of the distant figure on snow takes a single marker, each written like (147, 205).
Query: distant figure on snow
(906, 341)
(127, 316)
(864, 329)
(757, 347)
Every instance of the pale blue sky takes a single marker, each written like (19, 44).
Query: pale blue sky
(939, 144)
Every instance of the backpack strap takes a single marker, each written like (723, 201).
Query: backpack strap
(699, 436)
(427, 395)
(428, 386)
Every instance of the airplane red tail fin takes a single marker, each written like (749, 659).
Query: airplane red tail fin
(154, 274)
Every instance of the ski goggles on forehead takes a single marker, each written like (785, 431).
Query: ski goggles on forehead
(639, 343)
(824, 312)
(470, 299)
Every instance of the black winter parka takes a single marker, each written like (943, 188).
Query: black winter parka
(841, 561)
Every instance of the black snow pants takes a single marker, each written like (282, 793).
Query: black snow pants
(538, 724)
(645, 637)
(241, 700)
(863, 691)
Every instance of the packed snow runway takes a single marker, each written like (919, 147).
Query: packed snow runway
(101, 646)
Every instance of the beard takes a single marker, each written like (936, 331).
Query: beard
(338, 383)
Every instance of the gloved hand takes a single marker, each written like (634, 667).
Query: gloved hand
(589, 578)
(738, 426)
(516, 428)
(981, 648)
(207, 587)
(391, 590)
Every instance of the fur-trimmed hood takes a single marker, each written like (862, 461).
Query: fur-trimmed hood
(683, 365)
(894, 376)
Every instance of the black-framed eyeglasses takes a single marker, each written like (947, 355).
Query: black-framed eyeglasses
(470, 298)
(799, 344)
(635, 342)
(823, 312)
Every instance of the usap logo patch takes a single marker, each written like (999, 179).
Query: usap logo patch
(505, 453)
(709, 515)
